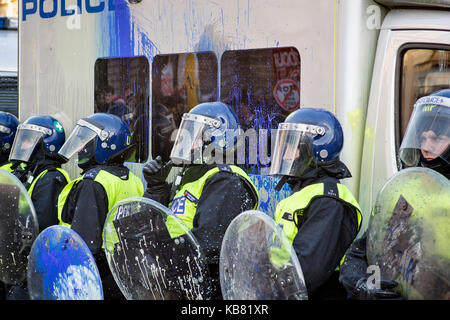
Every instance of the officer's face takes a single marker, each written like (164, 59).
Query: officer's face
(432, 145)
(26, 144)
(291, 153)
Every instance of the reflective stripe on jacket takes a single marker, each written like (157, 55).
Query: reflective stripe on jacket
(289, 213)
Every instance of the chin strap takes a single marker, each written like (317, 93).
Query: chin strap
(281, 183)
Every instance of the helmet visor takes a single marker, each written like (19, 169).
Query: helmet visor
(25, 141)
(188, 144)
(78, 139)
(293, 149)
(428, 131)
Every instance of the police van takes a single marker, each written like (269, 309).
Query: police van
(366, 61)
(8, 64)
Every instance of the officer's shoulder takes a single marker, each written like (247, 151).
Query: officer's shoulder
(121, 172)
(226, 176)
(92, 173)
(57, 175)
(51, 174)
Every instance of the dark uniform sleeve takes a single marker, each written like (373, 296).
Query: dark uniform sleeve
(224, 196)
(355, 265)
(160, 193)
(89, 213)
(45, 198)
(322, 240)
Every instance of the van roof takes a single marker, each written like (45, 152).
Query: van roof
(418, 19)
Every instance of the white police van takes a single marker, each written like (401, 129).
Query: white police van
(366, 61)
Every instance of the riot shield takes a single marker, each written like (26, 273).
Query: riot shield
(61, 267)
(257, 261)
(146, 262)
(18, 228)
(409, 231)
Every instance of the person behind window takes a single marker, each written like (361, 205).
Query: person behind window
(426, 144)
(109, 96)
(103, 143)
(321, 218)
(100, 102)
(208, 195)
(175, 107)
(162, 129)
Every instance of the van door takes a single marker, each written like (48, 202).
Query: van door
(412, 60)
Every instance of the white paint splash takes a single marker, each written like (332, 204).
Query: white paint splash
(77, 283)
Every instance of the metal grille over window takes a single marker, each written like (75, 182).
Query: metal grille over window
(122, 89)
(263, 87)
(179, 83)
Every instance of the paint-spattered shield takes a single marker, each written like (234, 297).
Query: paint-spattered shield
(61, 267)
(257, 261)
(409, 232)
(18, 228)
(146, 262)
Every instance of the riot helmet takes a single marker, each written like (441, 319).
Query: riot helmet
(306, 138)
(37, 138)
(209, 129)
(427, 137)
(8, 128)
(101, 138)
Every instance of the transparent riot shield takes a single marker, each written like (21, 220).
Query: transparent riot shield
(61, 267)
(146, 262)
(257, 261)
(18, 228)
(409, 231)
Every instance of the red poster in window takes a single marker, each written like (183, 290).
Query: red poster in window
(286, 92)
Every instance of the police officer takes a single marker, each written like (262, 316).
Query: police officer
(103, 144)
(426, 144)
(321, 218)
(35, 161)
(8, 128)
(206, 194)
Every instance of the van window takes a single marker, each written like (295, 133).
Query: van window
(179, 83)
(121, 88)
(263, 87)
(424, 71)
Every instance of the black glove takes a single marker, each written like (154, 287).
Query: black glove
(386, 291)
(155, 172)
